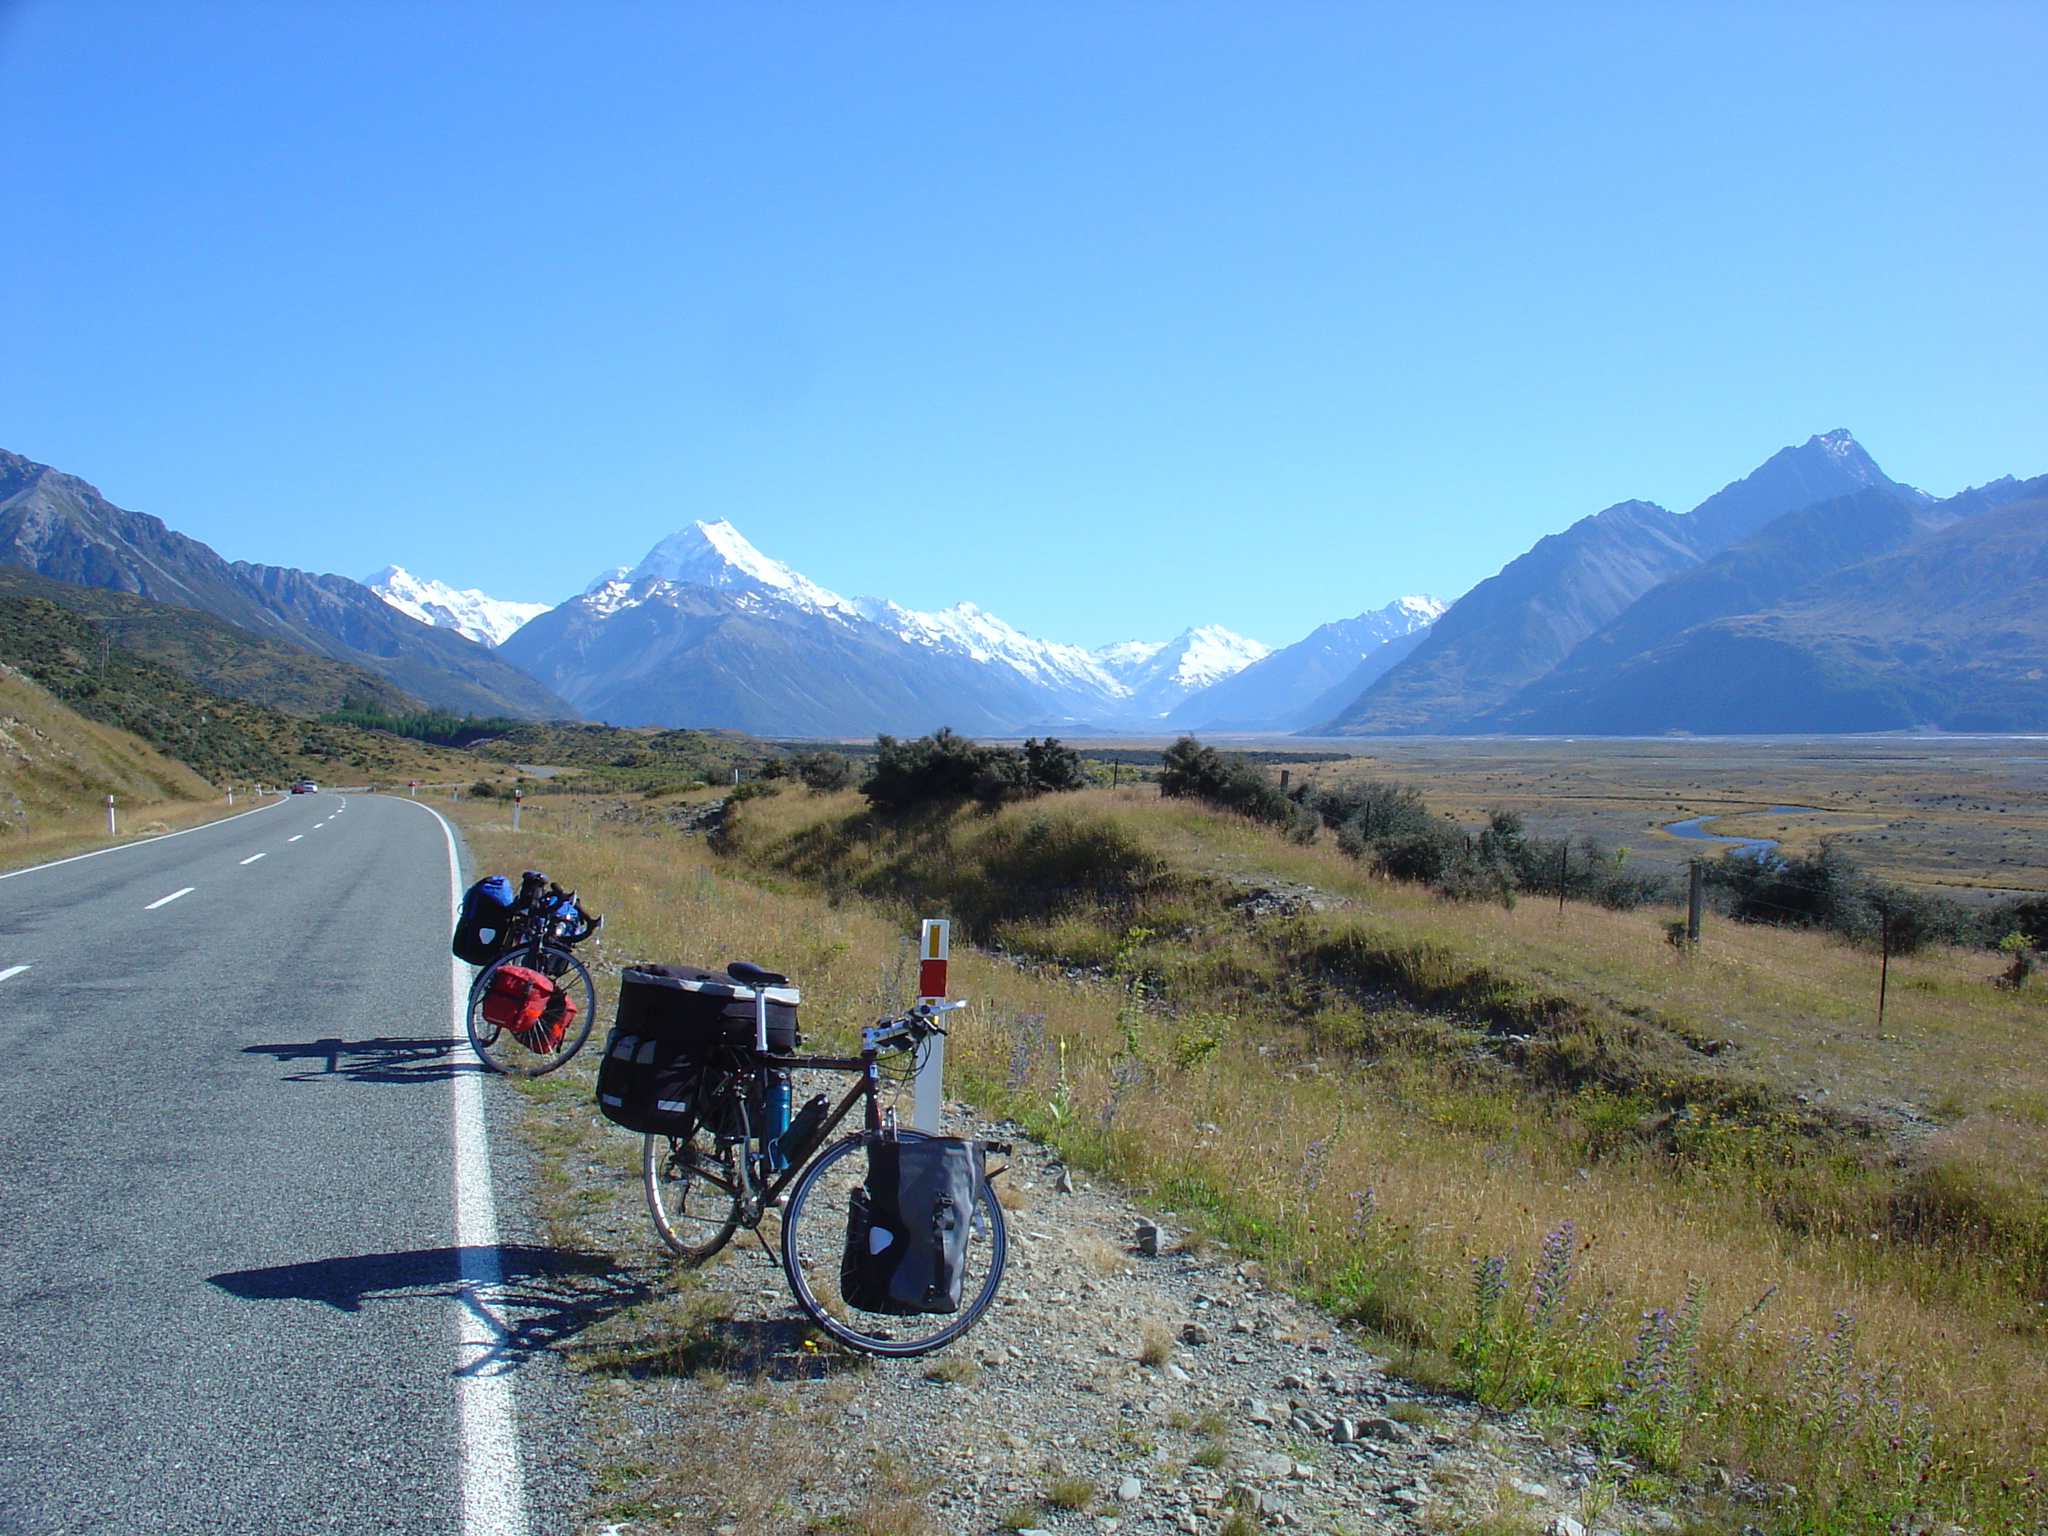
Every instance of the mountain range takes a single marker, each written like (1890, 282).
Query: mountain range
(708, 630)
(1814, 594)
(57, 525)
(1795, 599)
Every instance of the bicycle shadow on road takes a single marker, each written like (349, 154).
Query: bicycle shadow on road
(546, 1296)
(386, 1059)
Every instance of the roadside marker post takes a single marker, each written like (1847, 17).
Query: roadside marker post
(517, 796)
(934, 948)
(110, 817)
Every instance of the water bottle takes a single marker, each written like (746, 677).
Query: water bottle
(777, 1116)
(801, 1139)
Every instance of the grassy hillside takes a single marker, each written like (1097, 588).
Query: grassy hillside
(225, 741)
(214, 653)
(1438, 1116)
(57, 769)
(54, 761)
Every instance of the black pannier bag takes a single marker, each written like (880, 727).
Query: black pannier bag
(906, 1229)
(486, 916)
(649, 1085)
(704, 1009)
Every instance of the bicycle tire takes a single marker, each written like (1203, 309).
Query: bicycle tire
(693, 1217)
(813, 1239)
(498, 1049)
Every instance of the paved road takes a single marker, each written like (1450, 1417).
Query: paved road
(230, 1265)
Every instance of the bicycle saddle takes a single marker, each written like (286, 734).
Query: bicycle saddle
(753, 975)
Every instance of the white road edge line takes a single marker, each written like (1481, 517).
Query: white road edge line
(165, 901)
(254, 857)
(144, 843)
(12, 970)
(493, 1488)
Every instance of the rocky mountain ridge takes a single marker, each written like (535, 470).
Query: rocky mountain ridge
(1516, 627)
(57, 525)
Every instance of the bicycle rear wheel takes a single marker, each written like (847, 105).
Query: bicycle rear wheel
(500, 1049)
(814, 1240)
(692, 1185)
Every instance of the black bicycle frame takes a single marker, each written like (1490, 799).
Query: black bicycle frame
(867, 1064)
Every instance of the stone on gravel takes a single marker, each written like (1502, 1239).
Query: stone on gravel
(1565, 1525)
(1377, 1428)
(1130, 1488)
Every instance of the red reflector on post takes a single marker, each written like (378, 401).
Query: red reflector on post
(934, 945)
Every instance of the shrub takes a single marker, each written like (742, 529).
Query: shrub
(1826, 890)
(945, 767)
(820, 770)
(1190, 771)
(1389, 826)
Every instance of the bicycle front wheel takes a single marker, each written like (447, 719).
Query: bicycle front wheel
(503, 1051)
(692, 1185)
(814, 1241)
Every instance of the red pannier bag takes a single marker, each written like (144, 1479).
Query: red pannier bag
(529, 1007)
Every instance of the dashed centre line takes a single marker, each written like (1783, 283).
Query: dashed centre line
(165, 901)
(295, 837)
(12, 970)
(254, 857)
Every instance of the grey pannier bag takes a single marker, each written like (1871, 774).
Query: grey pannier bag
(907, 1228)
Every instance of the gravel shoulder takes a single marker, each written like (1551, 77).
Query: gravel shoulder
(1112, 1388)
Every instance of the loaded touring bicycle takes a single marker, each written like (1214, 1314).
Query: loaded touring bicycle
(892, 1239)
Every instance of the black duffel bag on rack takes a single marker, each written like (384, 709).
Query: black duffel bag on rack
(705, 1008)
(671, 1020)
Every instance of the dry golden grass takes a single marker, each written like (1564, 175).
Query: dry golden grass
(1271, 1140)
(81, 832)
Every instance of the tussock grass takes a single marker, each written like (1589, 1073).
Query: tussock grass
(1401, 1087)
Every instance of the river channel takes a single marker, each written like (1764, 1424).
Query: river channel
(1694, 829)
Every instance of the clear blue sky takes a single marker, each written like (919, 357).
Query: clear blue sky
(1111, 317)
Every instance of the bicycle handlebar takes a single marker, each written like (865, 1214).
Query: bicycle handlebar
(912, 1028)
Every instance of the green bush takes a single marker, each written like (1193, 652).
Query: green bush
(1191, 771)
(1827, 890)
(1389, 826)
(821, 770)
(944, 767)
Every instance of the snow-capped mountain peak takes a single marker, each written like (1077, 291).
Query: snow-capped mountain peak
(1132, 679)
(973, 631)
(1419, 610)
(486, 620)
(717, 555)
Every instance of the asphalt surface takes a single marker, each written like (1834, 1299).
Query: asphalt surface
(228, 1267)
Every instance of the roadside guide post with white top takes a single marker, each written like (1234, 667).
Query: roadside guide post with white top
(928, 1101)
